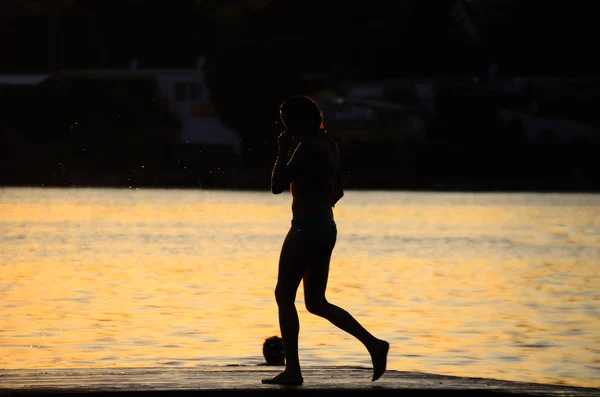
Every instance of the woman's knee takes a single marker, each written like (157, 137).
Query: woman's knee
(316, 305)
(283, 296)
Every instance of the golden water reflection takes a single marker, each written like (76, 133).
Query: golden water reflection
(482, 285)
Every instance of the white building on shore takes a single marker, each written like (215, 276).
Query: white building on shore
(184, 90)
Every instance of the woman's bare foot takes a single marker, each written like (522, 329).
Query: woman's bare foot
(285, 378)
(379, 358)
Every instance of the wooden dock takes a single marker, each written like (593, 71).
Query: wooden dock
(183, 382)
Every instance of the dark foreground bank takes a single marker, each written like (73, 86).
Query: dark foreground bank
(184, 382)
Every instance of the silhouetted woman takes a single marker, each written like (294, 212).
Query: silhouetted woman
(308, 162)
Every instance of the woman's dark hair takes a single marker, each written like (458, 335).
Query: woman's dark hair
(301, 109)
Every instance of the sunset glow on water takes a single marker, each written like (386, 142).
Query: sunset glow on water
(494, 285)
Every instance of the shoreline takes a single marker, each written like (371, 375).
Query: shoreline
(246, 379)
(242, 188)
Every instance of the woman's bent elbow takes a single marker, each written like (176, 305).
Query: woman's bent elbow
(276, 190)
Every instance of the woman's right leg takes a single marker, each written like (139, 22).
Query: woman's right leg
(315, 284)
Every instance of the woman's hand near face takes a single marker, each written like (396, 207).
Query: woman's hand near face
(284, 142)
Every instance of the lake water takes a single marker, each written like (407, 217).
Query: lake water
(504, 286)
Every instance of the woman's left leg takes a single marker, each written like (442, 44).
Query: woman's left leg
(291, 270)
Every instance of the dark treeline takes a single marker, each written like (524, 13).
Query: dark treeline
(378, 40)
(258, 53)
